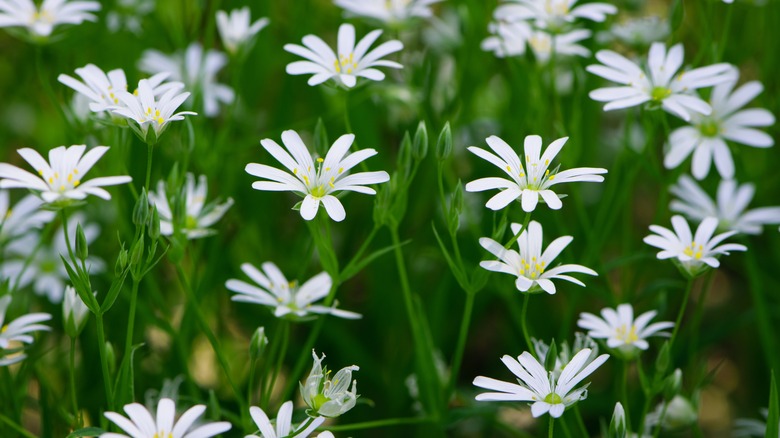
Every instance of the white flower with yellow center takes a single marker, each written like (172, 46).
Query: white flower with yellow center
(286, 298)
(531, 266)
(235, 28)
(732, 201)
(284, 427)
(662, 84)
(621, 330)
(545, 45)
(351, 61)
(145, 109)
(40, 22)
(317, 183)
(553, 15)
(388, 11)
(26, 215)
(706, 137)
(549, 393)
(17, 331)
(694, 254)
(328, 397)
(140, 423)
(531, 182)
(59, 181)
(507, 38)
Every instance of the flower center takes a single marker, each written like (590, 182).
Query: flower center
(319, 400)
(153, 115)
(163, 434)
(319, 191)
(553, 399)
(627, 336)
(709, 128)
(190, 222)
(694, 250)
(345, 64)
(556, 7)
(532, 270)
(58, 184)
(660, 93)
(541, 43)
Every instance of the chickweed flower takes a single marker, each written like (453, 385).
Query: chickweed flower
(661, 84)
(144, 109)
(751, 427)
(286, 298)
(531, 266)
(198, 216)
(328, 397)
(545, 45)
(507, 38)
(548, 393)
(17, 331)
(553, 15)
(622, 332)
(235, 28)
(59, 181)
(316, 183)
(729, 206)
(641, 32)
(706, 137)
(140, 423)
(40, 21)
(388, 11)
(566, 352)
(351, 61)
(284, 427)
(531, 182)
(693, 254)
(25, 216)
(74, 312)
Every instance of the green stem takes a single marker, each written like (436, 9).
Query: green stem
(302, 427)
(65, 231)
(524, 325)
(758, 294)
(251, 386)
(149, 154)
(550, 429)
(279, 360)
(379, 423)
(624, 392)
(580, 421)
(104, 360)
(72, 376)
(683, 305)
(131, 320)
(19, 429)
(462, 337)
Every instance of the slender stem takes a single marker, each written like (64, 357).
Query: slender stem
(72, 376)
(19, 429)
(66, 232)
(580, 421)
(389, 422)
(550, 429)
(131, 319)
(524, 325)
(279, 360)
(462, 337)
(765, 329)
(684, 304)
(104, 360)
(149, 155)
(624, 392)
(302, 427)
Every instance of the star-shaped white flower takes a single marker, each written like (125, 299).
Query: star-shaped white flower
(535, 384)
(17, 330)
(553, 15)
(351, 61)
(284, 427)
(730, 209)
(388, 11)
(40, 22)
(326, 396)
(141, 424)
(621, 330)
(641, 31)
(531, 266)
(287, 299)
(544, 44)
(26, 215)
(529, 182)
(235, 28)
(317, 183)
(59, 180)
(144, 109)
(706, 137)
(661, 84)
(507, 38)
(199, 216)
(694, 254)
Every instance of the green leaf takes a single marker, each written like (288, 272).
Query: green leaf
(773, 419)
(86, 431)
(352, 269)
(321, 144)
(124, 388)
(113, 291)
(460, 276)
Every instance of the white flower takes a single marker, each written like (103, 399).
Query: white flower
(566, 352)
(196, 71)
(317, 183)
(59, 181)
(531, 182)
(641, 31)
(129, 14)
(285, 297)
(677, 414)
(199, 216)
(41, 21)
(328, 397)
(747, 427)
(388, 11)
(661, 84)
(537, 385)
(351, 62)
(507, 38)
(544, 45)
(146, 110)
(531, 266)
(621, 330)
(553, 15)
(693, 254)
(17, 331)
(707, 135)
(284, 426)
(732, 201)
(26, 215)
(74, 312)
(141, 424)
(235, 29)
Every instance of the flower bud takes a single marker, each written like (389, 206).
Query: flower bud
(617, 427)
(141, 209)
(121, 262)
(673, 384)
(444, 143)
(154, 224)
(82, 249)
(680, 413)
(404, 160)
(420, 145)
(456, 206)
(74, 313)
(257, 344)
(137, 251)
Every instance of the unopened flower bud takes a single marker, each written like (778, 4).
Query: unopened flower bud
(141, 209)
(154, 224)
(444, 143)
(420, 145)
(137, 251)
(82, 249)
(257, 344)
(617, 427)
(673, 384)
(74, 313)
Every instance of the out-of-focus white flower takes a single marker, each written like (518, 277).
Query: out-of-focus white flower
(128, 14)
(677, 414)
(537, 385)
(507, 38)
(621, 330)
(661, 84)
(17, 331)
(642, 31)
(236, 30)
(283, 422)
(328, 397)
(545, 45)
(286, 298)
(40, 22)
(140, 423)
(747, 427)
(144, 109)
(531, 266)
(26, 215)
(694, 254)
(707, 135)
(388, 11)
(566, 352)
(317, 183)
(553, 15)
(199, 216)
(351, 61)
(74, 312)
(732, 201)
(531, 182)
(198, 72)
(59, 180)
